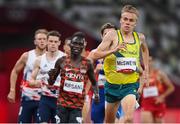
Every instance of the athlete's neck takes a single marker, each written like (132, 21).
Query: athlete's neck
(75, 58)
(52, 54)
(39, 51)
(126, 34)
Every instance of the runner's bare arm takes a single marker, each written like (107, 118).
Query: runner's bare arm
(94, 55)
(103, 49)
(91, 56)
(141, 81)
(20, 64)
(164, 79)
(91, 76)
(53, 73)
(145, 55)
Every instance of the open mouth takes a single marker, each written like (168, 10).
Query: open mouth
(76, 50)
(126, 27)
(42, 44)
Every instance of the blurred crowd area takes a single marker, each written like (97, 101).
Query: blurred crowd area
(158, 21)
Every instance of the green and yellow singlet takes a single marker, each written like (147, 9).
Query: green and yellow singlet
(122, 67)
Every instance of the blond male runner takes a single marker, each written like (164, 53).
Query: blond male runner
(39, 77)
(30, 95)
(122, 67)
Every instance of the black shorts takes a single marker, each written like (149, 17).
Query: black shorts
(47, 109)
(69, 115)
(28, 110)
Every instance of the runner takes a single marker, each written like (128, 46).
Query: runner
(39, 77)
(153, 97)
(122, 68)
(30, 95)
(74, 71)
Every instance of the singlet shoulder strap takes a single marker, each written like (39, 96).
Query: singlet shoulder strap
(120, 37)
(136, 37)
(120, 40)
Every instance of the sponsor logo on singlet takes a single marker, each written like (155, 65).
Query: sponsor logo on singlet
(74, 76)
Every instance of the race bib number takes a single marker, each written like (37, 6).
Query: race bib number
(72, 86)
(101, 80)
(151, 91)
(125, 64)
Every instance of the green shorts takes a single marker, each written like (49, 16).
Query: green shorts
(116, 92)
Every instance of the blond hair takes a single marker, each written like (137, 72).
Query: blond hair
(130, 9)
(41, 31)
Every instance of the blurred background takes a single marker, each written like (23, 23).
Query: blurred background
(159, 21)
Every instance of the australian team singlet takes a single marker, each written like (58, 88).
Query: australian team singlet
(122, 67)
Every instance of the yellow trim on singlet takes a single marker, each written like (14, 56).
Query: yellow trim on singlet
(133, 51)
(120, 38)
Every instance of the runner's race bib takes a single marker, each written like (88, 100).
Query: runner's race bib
(150, 91)
(72, 86)
(125, 65)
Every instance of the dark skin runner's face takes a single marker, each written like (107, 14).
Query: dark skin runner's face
(77, 45)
